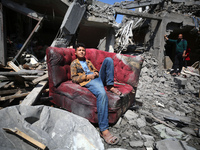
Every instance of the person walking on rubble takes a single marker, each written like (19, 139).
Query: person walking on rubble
(181, 46)
(84, 73)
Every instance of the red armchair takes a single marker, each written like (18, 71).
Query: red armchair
(79, 100)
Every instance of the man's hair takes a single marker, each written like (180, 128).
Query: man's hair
(79, 45)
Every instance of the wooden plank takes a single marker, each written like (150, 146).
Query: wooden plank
(13, 66)
(33, 96)
(3, 83)
(13, 96)
(44, 77)
(10, 100)
(26, 137)
(20, 73)
(9, 84)
(4, 78)
(6, 92)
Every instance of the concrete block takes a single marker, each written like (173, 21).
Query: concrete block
(180, 81)
(136, 143)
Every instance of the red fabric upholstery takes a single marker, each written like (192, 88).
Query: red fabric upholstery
(80, 100)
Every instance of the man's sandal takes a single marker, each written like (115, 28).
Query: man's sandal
(110, 139)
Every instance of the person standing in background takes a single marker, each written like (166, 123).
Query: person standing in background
(181, 47)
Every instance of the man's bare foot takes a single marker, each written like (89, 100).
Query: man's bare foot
(114, 90)
(109, 138)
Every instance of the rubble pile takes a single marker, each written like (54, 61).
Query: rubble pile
(164, 118)
(27, 83)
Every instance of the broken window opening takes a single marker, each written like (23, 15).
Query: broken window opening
(119, 18)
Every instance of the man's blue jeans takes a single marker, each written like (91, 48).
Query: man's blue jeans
(96, 86)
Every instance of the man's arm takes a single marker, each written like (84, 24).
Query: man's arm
(166, 38)
(185, 48)
(74, 75)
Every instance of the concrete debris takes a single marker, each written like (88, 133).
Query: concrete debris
(166, 132)
(179, 111)
(130, 115)
(164, 106)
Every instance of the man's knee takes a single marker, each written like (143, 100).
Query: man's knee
(108, 59)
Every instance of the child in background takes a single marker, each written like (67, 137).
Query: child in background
(187, 57)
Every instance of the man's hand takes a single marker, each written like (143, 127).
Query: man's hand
(96, 74)
(184, 55)
(91, 76)
(166, 37)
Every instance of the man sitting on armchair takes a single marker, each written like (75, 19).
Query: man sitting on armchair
(84, 73)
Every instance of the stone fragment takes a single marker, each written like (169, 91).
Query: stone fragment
(133, 122)
(188, 131)
(117, 125)
(138, 94)
(166, 132)
(149, 143)
(130, 115)
(141, 122)
(149, 140)
(190, 87)
(135, 144)
(149, 148)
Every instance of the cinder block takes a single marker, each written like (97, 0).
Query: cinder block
(180, 81)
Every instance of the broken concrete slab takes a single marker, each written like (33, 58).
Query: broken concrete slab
(172, 143)
(55, 128)
(163, 115)
(166, 132)
(130, 115)
(31, 98)
(72, 18)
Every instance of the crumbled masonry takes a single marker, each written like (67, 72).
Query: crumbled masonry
(166, 110)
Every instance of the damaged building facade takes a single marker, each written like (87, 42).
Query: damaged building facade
(140, 30)
(165, 114)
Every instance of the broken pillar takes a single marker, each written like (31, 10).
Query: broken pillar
(70, 24)
(2, 38)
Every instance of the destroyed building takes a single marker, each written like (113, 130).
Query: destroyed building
(142, 29)
(162, 111)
